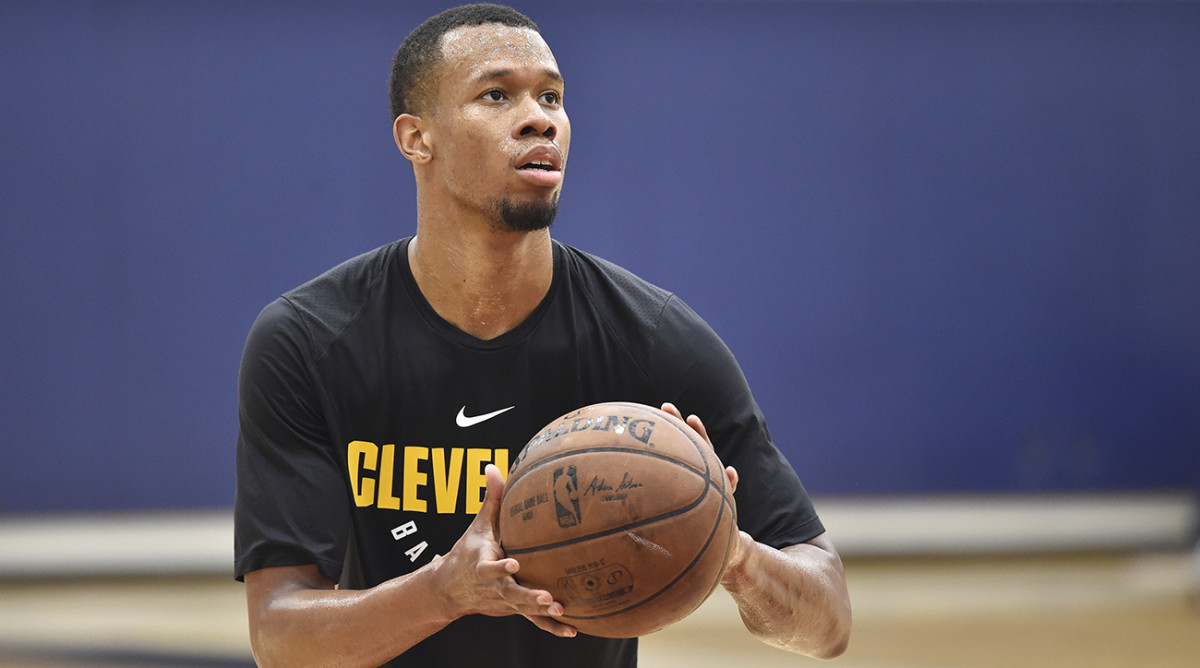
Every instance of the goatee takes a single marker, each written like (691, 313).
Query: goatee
(528, 216)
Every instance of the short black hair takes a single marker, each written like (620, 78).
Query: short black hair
(410, 85)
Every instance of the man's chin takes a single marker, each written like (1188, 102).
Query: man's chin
(527, 216)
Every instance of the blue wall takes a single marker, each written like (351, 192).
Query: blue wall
(956, 245)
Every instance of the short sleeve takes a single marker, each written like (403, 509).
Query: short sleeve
(696, 371)
(291, 506)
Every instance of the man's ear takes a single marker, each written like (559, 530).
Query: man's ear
(411, 135)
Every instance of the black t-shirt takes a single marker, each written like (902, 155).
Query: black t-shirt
(365, 427)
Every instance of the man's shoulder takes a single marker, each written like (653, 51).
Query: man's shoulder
(608, 281)
(323, 306)
(633, 304)
(349, 278)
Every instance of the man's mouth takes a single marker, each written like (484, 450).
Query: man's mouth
(543, 165)
(542, 158)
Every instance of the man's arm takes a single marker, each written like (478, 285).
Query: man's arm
(298, 618)
(795, 598)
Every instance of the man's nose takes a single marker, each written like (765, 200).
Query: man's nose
(535, 120)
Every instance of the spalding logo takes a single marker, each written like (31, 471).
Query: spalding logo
(566, 496)
(623, 425)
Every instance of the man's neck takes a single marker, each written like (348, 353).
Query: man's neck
(483, 281)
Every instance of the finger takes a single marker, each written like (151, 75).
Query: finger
(531, 603)
(732, 475)
(552, 625)
(490, 510)
(497, 569)
(670, 409)
(695, 423)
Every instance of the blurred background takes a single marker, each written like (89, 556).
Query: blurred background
(955, 246)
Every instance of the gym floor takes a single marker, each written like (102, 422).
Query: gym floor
(1095, 609)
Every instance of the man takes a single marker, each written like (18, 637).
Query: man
(380, 401)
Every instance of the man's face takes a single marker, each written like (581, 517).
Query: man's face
(500, 134)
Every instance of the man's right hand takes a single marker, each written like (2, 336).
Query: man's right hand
(479, 578)
(298, 617)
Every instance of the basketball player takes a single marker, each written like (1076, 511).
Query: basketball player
(380, 402)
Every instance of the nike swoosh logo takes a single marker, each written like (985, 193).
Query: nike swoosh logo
(463, 421)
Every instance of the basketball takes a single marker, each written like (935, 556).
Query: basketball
(623, 513)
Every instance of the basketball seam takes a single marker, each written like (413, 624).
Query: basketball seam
(716, 525)
(606, 448)
(608, 532)
(667, 586)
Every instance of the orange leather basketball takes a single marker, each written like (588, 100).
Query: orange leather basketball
(623, 513)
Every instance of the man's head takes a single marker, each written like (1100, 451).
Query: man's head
(477, 98)
(413, 81)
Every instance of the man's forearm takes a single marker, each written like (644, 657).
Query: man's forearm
(297, 618)
(794, 598)
(304, 626)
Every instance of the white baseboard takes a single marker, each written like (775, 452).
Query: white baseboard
(1010, 523)
(201, 541)
(125, 543)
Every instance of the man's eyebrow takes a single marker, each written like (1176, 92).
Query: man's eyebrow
(502, 72)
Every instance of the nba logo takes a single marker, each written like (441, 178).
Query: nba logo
(566, 497)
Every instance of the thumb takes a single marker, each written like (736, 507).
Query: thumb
(490, 510)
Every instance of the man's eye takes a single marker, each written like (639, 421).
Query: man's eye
(550, 97)
(493, 96)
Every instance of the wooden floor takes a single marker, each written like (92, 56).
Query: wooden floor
(1095, 610)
